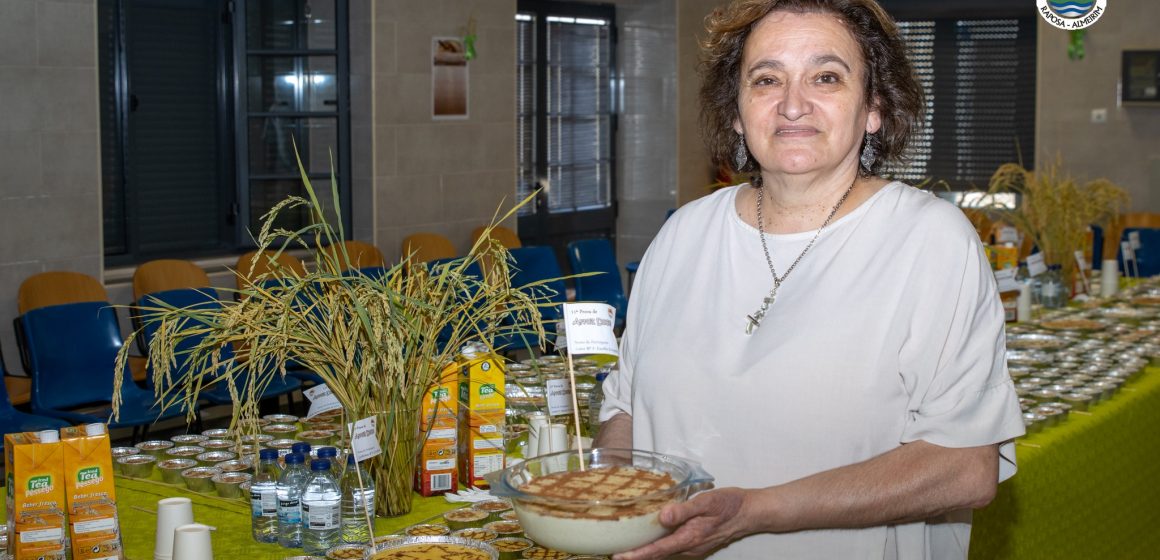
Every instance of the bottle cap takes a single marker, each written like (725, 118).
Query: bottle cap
(300, 447)
(350, 459)
(268, 455)
(49, 436)
(95, 429)
(320, 465)
(294, 458)
(327, 452)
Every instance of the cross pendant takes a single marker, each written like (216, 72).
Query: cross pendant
(755, 319)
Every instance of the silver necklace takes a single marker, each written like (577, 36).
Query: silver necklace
(757, 316)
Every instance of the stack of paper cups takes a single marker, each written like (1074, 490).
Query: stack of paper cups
(1023, 304)
(192, 542)
(171, 514)
(1109, 278)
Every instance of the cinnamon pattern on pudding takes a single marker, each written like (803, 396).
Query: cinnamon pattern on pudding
(613, 484)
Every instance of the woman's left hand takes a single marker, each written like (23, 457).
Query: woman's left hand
(710, 520)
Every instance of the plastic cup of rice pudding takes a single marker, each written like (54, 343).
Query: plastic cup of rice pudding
(609, 506)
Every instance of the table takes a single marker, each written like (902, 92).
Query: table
(1088, 488)
(1085, 489)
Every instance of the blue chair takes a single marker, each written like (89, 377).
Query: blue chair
(1147, 256)
(596, 255)
(14, 421)
(205, 299)
(1097, 247)
(72, 349)
(473, 272)
(537, 265)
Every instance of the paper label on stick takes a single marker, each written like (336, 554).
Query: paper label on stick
(321, 400)
(559, 396)
(588, 327)
(364, 439)
(1126, 249)
(1007, 234)
(1035, 265)
(1080, 261)
(1134, 239)
(1006, 280)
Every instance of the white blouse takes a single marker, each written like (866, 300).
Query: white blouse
(889, 331)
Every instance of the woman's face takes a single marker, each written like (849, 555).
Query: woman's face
(802, 101)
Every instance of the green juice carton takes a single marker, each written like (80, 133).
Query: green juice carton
(90, 495)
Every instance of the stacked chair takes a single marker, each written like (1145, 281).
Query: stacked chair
(13, 421)
(183, 284)
(364, 258)
(275, 265)
(596, 255)
(70, 338)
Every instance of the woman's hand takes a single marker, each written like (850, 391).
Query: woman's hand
(708, 521)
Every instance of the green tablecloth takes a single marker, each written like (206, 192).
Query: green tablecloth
(1089, 488)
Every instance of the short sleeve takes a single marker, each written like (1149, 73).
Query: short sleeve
(953, 359)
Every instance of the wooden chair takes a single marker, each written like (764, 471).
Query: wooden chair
(505, 236)
(56, 288)
(424, 247)
(362, 255)
(167, 274)
(270, 263)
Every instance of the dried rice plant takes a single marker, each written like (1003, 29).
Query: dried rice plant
(1055, 210)
(379, 342)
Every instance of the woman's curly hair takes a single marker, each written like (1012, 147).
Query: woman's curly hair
(891, 85)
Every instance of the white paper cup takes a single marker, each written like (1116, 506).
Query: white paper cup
(1109, 278)
(171, 514)
(192, 542)
(554, 438)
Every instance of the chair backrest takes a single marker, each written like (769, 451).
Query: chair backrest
(505, 236)
(425, 247)
(267, 262)
(72, 349)
(596, 255)
(538, 263)
(167, 274)
(1148, 255)
(360, 253)
(180, 298)
(57, 288)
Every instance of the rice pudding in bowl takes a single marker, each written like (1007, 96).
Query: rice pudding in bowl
(610, 506)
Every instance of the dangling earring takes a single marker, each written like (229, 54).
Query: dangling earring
(869, 153)
(741, 154)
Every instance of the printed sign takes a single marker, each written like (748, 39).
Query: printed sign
(1134, 239)
(559, 396)
(1006, 280)
(1035, 265)
(588, 327)
(321, 400)
(364, 439)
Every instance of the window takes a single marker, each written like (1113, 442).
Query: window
(566, 106)
(201, 103)
(979, 78)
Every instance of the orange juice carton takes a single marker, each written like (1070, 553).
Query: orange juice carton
(480, 445)
(481, 382)
(1005, 256)
(34, 473)
(90, 493)
(437, 471)
(440, 401)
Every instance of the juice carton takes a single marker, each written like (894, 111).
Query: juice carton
(437, 471)
(480, 445)
(481, 383)
(34, 473)
(439, 401)
(90, 493)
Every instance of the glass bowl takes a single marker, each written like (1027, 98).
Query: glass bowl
(588, 516)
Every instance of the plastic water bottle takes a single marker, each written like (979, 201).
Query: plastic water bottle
(330, 454)
(264, 497)
(357, 503)
(289, 501)
(595, 401)
(321, 510)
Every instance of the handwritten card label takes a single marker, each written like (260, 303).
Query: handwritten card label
(1006, 280)
(588, 327)
(559, 396)
(1007, 234)
(321, 400)
(364, 439)
(1035, 265)
(1134, 239)
(1081, 262)
(1128, 253)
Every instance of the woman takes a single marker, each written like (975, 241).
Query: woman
(827, 343)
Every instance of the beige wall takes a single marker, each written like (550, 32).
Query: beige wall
(446, 177)
(1125, 149)
(49, 147)
(694, 170)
